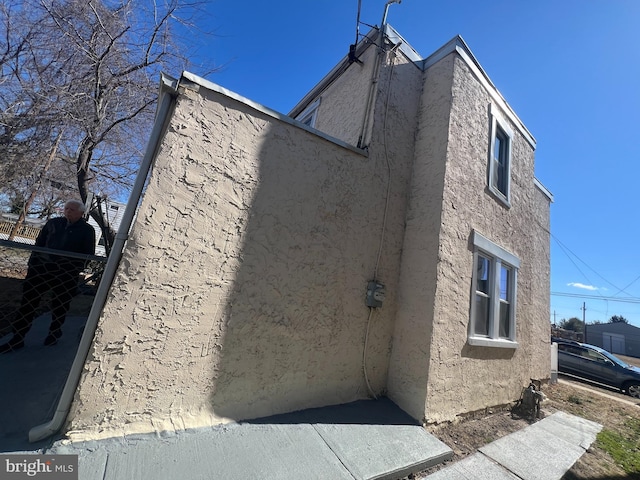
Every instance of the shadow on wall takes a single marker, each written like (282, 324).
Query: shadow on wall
(362, 412)
(294, 325)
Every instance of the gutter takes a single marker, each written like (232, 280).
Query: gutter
(166, 101)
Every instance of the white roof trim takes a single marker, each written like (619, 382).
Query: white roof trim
(543, 189)
(458, 45)
(214, 87)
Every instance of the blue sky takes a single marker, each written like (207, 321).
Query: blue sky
(569, 68)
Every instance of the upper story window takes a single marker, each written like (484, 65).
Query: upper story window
(493, 306)
(309, 114)
(500, 157)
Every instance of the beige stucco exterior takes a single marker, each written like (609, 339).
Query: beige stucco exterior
(449, 201)
(241, 289)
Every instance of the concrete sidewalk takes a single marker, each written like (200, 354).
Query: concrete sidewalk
(545, 450)
(369, 439)
(32, 379)
(354, 445)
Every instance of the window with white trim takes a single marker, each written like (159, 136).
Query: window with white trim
(500, 156)
(494, 288)
(309, 114)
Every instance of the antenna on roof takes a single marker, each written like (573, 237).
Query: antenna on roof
(352, 48)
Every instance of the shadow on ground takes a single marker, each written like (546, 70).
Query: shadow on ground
(32, 380)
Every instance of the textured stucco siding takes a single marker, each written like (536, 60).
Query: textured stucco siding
(343, 103)
(462, 377)
(434, 373)
(410, 357)
(241, 289)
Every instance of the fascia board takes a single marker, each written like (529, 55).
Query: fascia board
(458, 45)
(543, 189)
(194, 82)
(404, 46)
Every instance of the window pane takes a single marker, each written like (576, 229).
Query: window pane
(481, 320)
(505, 325)
(482, 274)
(505, 300)
(501, 161)
(505, 293)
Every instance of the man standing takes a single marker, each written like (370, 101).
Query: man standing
(57, 273)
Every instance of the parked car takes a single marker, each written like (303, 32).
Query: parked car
(594, 363)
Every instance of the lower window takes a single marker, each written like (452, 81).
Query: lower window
(493, 308)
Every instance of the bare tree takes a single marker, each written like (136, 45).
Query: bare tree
(81, 85)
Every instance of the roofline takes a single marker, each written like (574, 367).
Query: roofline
(459, 46)
(194, 82)
(543, 189)
(456, 44)
(368, 40)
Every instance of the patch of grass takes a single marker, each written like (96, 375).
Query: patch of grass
(623, 446)
(574, 399)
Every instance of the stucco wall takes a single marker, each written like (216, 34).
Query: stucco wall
(434, 373)
(241, 290)
(462, 377)
(343, 103)
(410, 357)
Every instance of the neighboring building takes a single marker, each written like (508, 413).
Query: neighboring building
(112, 213)
(243, 288)
(619, 338)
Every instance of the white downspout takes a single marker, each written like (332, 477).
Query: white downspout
(168, 94)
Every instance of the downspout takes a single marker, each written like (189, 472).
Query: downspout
(365, 133)
(168, 95)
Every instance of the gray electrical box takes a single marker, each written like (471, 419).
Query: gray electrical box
(375, 294)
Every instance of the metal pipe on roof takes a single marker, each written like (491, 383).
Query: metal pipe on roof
(363, 140)
(386, 10)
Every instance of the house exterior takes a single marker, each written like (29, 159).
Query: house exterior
(620, 338)
(389, 237)
(112, 212)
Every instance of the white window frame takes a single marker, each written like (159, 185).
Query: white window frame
(500, 127)
(498, 257)
(309, 115)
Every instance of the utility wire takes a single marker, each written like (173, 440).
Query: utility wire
(566, 249)
(597, 297)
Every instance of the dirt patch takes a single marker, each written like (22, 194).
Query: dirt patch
(467, 435)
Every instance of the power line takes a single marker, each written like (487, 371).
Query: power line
(597, 297)
(566, 249)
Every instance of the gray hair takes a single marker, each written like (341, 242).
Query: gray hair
(77, 203)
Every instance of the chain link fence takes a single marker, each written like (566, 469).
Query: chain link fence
(14, 260)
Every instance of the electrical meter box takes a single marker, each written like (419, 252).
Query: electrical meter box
(375, 294)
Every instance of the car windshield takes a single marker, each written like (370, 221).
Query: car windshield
(613, 358)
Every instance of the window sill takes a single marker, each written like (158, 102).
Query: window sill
(492, 342)
(500, 196)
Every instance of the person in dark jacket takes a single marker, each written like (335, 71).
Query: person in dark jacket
(57, 273)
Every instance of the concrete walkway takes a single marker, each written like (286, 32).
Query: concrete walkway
(545, 450)
(369, 439)
(361, 440)
(355, 444)
(32, 379)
